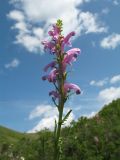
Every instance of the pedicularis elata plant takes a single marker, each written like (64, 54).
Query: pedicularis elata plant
(58, 76)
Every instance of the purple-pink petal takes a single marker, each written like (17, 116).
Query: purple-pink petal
(44, 77)
(55, 94)
(52, 76)
(66, 40)
(73, 50)
(55, 32)
(70, 86)
(70, 57)
(50, 65)
(48, 46)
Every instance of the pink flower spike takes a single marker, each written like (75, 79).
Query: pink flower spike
(52, 65)
(70, 86)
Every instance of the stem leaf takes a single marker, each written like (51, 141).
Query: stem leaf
(66, 117)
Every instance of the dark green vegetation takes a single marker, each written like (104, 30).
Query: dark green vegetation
(97, 138)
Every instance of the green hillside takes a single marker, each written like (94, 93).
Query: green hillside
(8, 135)
(97, 138)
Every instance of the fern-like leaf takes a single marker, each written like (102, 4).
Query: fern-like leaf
(66, 117)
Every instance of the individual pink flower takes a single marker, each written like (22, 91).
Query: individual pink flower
(49, 46)
(70, 86)
(50, 65)
(55, 94)
(71, 55)
(51, 77)
(55, 32)
(66, 40)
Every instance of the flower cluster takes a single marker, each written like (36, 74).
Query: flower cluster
(57, 75)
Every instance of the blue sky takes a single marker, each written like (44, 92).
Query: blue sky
(24, 101)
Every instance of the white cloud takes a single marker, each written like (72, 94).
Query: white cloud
(41, 110)
(92, 114)
(20, 26)
(115, 2)
(48, 114)
(109, 94)
(77, 108)
(14, 1)
(38, 32)
(115, 79)
(88, 23)
(47, 122)
(16, 15)
(13, 64)
(105, 10)
(111, 42)
(19, 17)
(32, 43)
(99, 83)
(33, 18)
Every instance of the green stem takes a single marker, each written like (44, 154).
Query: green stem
(60, 109)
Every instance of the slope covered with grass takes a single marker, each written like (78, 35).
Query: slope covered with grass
(8, 135)
(97, 138)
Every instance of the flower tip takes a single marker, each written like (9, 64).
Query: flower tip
(78, 92)
(78, 50)
(42, 42)
(50, 93)
(44, 78)
(73, 33)
(75, 55)
(50, 33)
